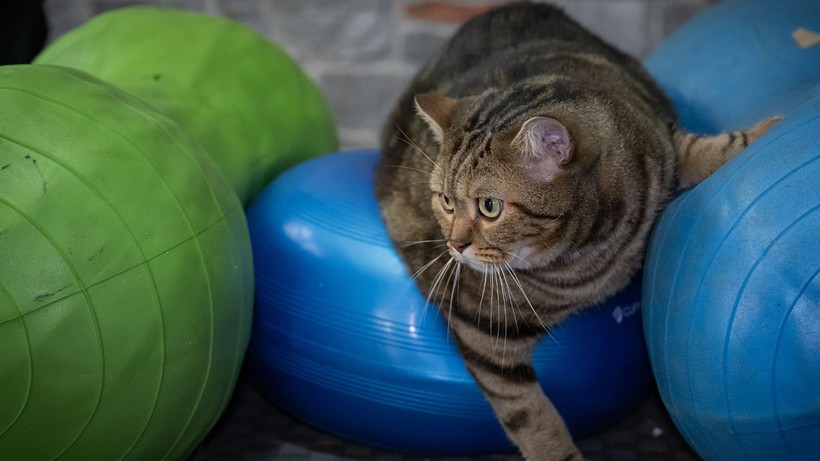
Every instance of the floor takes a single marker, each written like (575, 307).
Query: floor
(254, 429)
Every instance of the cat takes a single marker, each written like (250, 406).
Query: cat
(521, 173)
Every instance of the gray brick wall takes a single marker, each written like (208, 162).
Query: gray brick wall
(363, 52)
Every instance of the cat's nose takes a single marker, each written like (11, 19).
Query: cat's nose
(459, 246)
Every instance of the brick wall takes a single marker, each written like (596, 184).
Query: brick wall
(363, 52)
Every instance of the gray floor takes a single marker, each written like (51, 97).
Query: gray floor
(254, 429)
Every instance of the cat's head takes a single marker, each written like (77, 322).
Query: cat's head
(505, 192)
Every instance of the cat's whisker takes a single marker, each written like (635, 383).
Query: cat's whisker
(441, 242)
(439, 277)
(527, 299)
(493, 301)
(495, 310)
(502, 308)
(498, 301)
(514, 303)
(560, 215)
(455, 270)
(412, 184)
(481, 299)
(491, 278)
(529, 264)
(418, 273)
(447, 284)
(517, 282)
(427, 266)
(512, 306)
(453, 292)
(412, 144)
(405, 167)
(510, 294)
(436, 282)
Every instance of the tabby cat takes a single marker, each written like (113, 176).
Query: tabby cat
(521, 173)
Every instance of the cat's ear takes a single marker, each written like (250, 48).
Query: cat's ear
(545, 144)
(437, 111)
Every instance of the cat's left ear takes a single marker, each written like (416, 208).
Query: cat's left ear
(545, 144)
(437, 111)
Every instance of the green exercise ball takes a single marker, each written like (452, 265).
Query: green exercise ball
(237, 94)
(126, 280)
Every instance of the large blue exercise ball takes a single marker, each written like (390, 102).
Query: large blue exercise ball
(731, 287)
(739, 62)
(343, 340)
(732, 301)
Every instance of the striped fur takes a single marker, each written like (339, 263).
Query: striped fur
(700, 156)
(575, 213)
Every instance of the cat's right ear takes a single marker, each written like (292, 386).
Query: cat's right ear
(545, 145)
(437, 111)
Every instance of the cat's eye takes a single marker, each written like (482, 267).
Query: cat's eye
(490, 207)
(446, 203)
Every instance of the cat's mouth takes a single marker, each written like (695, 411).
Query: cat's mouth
(487, 264)
(490, 264)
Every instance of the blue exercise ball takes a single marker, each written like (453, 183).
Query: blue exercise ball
(343, 340)
(732, 301)
(739, 62)
(731, 292)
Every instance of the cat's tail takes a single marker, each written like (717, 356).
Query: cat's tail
(699, 156)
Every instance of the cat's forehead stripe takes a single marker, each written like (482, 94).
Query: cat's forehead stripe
(499, 110)
(471, 139)
(459, 162)
(473, 123)
(533, 99)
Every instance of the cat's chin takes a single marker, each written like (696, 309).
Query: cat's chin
(480, 266)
